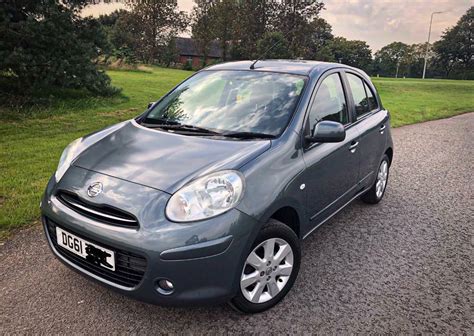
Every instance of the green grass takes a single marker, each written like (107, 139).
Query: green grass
(31, 141)
(412, 101)
(30, 146)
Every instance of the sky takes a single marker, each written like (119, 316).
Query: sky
(378, 22)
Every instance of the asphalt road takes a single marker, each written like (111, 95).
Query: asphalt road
(403, 266)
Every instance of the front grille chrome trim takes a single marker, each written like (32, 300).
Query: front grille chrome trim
(98, 212)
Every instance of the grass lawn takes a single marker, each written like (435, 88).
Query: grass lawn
(31, 143)
(414, 100)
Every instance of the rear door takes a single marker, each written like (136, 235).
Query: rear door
(332, 169)
(371, 121)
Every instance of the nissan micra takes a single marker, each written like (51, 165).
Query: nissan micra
(205, 197)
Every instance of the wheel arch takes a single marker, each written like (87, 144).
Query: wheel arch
(289, 214)
(389, 153)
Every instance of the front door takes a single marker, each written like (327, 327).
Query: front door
(332, 169)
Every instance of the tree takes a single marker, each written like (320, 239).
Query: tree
(252, 22)
(155, 23)
(273, 46)
(354, 53)
(392, 60)
(109, 20)
(202, 30)
(293, 18)
(124, 36)
(47, 44)
(238, 25)
(455, 49)
(223, 16)
(214, 20)
(171, 53)
(415, 59)
(321, 37)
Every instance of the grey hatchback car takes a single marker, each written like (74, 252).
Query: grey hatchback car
(204, 198)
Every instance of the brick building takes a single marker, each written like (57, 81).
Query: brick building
(189, 52)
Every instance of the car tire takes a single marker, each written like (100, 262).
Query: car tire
(375, 194)
(270, 273)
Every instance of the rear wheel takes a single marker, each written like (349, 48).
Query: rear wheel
(269, 270)
(376, 192)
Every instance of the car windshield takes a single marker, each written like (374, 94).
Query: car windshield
(231, 102)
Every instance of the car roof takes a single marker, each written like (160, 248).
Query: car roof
(298, 67)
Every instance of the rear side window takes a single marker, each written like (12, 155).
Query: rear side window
(373, 105)
(329, 103)
(361, 102)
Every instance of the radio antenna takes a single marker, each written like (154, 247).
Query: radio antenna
(252, 66)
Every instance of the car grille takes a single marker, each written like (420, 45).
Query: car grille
(129, 267)
(101, 213)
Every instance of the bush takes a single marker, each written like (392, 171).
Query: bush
(188, 66)
(45, 45)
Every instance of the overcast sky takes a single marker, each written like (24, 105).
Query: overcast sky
(378, 22)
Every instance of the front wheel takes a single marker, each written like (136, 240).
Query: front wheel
(270, 269)
(376, 192)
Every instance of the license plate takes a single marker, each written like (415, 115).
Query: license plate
(93, 253)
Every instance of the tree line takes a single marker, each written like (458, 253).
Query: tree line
(247, 29)
(47, 44)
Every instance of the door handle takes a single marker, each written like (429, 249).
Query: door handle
(382, 128)
(353, 146)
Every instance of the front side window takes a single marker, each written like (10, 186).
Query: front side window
(232, 101)
(361, 102)
(329, 103)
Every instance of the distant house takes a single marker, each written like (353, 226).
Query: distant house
(188, 51)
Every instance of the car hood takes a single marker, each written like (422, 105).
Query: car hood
(163, 160)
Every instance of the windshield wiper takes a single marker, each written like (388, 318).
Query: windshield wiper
(174, 126)
(183, 127)
(248, 135)
(158, 122)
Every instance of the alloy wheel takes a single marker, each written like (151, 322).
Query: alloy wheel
(267, 270)
(381, 179)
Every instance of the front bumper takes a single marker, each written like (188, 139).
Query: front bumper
(203, 260)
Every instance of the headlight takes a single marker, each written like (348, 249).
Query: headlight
(206, 197)
(68, 155)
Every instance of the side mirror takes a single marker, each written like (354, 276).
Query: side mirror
(327, 131)
(150, 104)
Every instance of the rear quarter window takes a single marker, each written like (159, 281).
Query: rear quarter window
(373, 104)
(361, 101)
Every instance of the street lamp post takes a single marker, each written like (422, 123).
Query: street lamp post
(428, 44)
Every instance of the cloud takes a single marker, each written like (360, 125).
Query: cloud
(380, 22)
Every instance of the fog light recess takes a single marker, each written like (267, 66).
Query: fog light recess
(164, 287)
